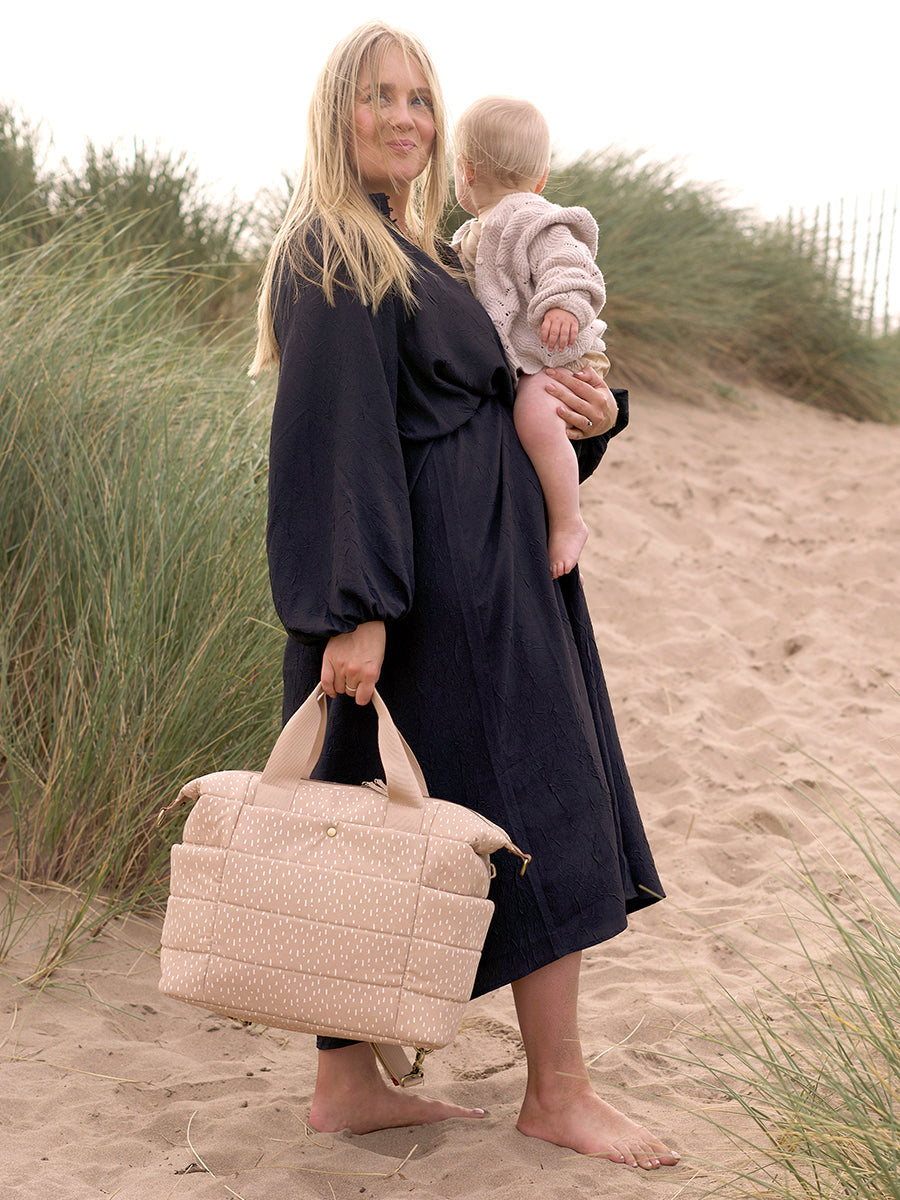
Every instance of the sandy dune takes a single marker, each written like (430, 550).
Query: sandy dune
(743, 578)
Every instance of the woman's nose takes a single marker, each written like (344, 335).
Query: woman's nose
(400, 115)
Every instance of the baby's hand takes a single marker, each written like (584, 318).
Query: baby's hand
(559, 329)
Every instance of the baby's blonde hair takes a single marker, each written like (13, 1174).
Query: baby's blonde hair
(331, 225)
(505, 140)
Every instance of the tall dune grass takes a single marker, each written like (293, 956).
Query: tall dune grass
(142, 200)
(137, 645)
(23, 201)
(814, 1059)
(696, 286)
(694, 281)
(153, 199)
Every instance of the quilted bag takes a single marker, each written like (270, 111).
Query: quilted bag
(351, 911)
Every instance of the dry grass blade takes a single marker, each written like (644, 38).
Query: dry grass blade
(309, 1170)
(627, 1038)
(24, 1058)
(362, 1174)
(202, 1163)
(12, 1024)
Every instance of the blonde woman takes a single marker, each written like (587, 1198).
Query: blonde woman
(407, 546)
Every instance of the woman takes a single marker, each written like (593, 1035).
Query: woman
(407, 546)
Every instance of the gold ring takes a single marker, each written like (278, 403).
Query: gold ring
(351, 691)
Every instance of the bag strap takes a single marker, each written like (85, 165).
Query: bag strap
(299, 745)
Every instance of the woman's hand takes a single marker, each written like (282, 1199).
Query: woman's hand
(352, 662)
(587, 405)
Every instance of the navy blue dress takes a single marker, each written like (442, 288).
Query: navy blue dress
(399, 492)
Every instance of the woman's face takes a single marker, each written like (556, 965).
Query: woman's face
(393, 126)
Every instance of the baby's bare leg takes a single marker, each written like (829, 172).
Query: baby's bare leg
(543, 434)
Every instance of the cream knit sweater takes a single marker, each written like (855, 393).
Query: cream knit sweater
(528, 256)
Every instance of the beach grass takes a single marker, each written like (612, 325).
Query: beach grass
(698, 289)
(140, 200)
(137, 643)
(696, 283)
(812, 1059)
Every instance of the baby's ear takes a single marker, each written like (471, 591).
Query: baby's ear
(465, 169)
(541, 183)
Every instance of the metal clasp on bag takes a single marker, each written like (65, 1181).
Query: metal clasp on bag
(414, 1075)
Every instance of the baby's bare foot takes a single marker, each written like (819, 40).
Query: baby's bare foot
(565, 545)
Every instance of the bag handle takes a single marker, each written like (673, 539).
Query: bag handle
(299, 745)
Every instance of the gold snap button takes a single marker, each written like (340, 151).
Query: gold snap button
(331, 831)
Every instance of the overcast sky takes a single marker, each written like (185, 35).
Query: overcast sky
(786, 102)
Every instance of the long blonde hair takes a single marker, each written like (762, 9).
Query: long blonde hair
(331, 224)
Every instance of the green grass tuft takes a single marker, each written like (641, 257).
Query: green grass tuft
(814, 1059)
(137, 642)
(694, 282)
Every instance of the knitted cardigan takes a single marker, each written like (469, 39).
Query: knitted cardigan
(533, 256)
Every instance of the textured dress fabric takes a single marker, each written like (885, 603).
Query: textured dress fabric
(399, 492)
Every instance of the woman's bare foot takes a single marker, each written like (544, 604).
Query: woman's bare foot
(589, 1125)
(352, 1094)
(565, 545)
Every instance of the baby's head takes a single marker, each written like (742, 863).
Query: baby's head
(503, 144)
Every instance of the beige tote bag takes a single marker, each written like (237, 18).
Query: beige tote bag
(355, 912)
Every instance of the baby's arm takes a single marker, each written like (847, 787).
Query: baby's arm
(559, 329)
(565, 277)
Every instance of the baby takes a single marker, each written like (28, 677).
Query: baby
(531, 264)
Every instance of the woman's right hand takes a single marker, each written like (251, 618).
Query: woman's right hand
(352, 662)
(587, 405)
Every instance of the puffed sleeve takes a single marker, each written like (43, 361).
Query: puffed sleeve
(339, 532)
(589, 451)
(565, 275)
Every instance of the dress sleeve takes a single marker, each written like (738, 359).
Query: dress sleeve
(589, 451)
(339, 532)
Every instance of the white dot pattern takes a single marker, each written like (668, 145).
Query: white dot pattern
(321, 915)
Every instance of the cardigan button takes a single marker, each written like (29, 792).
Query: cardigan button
(331, 831)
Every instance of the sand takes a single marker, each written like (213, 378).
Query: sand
(743, 578)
